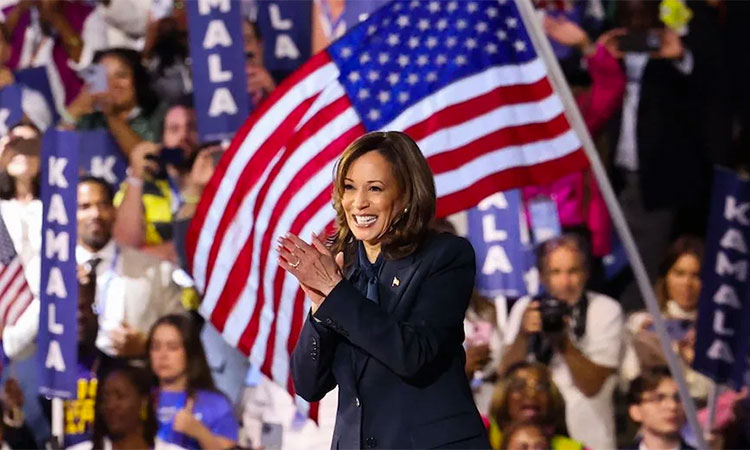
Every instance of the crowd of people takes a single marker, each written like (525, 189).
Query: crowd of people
(578, 367)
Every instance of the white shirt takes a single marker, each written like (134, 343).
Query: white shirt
(626, 155)
(590, 420)
(269, 404)
(93, 38)
(642, 446)
(110, 292)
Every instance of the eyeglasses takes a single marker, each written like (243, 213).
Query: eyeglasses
(661, 397)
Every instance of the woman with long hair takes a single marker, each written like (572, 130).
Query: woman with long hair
(386, 323)
(191, 413)
(677, 290)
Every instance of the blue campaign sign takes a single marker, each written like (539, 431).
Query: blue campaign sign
(545, 221)
(218, 58)
(286, 26)
(354, 11)
(58, 325)
(100, 156)
(502, 251)
(11, 112)
(36, 78)
(721, 343)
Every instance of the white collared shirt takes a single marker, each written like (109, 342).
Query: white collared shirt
(110, 294)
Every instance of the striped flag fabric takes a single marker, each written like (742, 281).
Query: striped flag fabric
(15, 294)
(462, 78)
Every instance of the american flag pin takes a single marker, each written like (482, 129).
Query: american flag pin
(396, 282)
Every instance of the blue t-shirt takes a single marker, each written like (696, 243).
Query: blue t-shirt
(211, 408)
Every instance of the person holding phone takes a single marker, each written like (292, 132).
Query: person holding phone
(126, 104)
(658, 133)
(191, 413)
(164, 182)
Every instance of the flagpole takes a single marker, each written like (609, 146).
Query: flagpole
(542, 45)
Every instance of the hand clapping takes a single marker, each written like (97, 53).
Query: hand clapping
(313, 265)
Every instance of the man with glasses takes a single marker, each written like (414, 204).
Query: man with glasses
(654, 403)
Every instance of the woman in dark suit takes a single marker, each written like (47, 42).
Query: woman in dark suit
(386, 323)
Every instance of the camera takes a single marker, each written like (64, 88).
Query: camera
(553, 312)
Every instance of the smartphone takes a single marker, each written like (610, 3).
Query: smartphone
(23, 146)
(640, 41)
(95, 77)
(172, 155)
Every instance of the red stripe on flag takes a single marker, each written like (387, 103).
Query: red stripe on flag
(250, 176)
(240, 270)
(539, 174)
(504, 137)
(461, 112)
(313, 64)
(313, 167)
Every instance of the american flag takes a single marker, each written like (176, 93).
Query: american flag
(462, 78)
(15, 295)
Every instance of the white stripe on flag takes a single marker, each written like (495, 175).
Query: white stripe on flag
(468, 88)
(506, 116)
(307, 88)
(505, 158)
(301, 156)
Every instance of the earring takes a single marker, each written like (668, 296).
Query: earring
(405, 210)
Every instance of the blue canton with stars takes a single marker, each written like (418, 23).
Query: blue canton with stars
(407, 50)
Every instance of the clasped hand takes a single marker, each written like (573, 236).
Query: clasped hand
(314, 266)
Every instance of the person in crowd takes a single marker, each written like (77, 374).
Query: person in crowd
(654, 404)
(656, 133)
(191, 413)
(527, 393)
(260, 82)
(90, 366)
(577, 332)
(124, 414)
(60, 35)
(677, 289)
(161, 181)
(525, 435)
(15, 433)
(36, 110)
(133, 289)
(580, 205)
(168, 60)
(483, 345)
(386, 323)
(20, 206)
(129, 108)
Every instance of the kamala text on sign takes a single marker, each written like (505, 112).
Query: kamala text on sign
(217, 54)
(58, 327)
(725, 297)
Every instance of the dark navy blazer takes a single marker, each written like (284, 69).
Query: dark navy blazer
(399, 363)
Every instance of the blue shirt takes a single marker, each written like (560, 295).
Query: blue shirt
(211, 408)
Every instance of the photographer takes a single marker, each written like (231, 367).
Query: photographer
(577, 333)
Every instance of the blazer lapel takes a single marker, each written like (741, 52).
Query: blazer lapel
(393, 280)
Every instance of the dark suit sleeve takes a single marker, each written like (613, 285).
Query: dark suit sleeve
(435, 320)
(312, 360)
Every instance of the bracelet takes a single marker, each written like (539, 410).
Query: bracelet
(134, 181)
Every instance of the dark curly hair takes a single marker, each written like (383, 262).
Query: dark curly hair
(144, 95)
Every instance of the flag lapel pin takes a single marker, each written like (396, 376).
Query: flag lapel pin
(396, 282)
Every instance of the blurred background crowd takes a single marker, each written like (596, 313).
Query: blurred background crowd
(663, 89)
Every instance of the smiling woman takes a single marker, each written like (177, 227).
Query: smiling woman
(386, 323)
